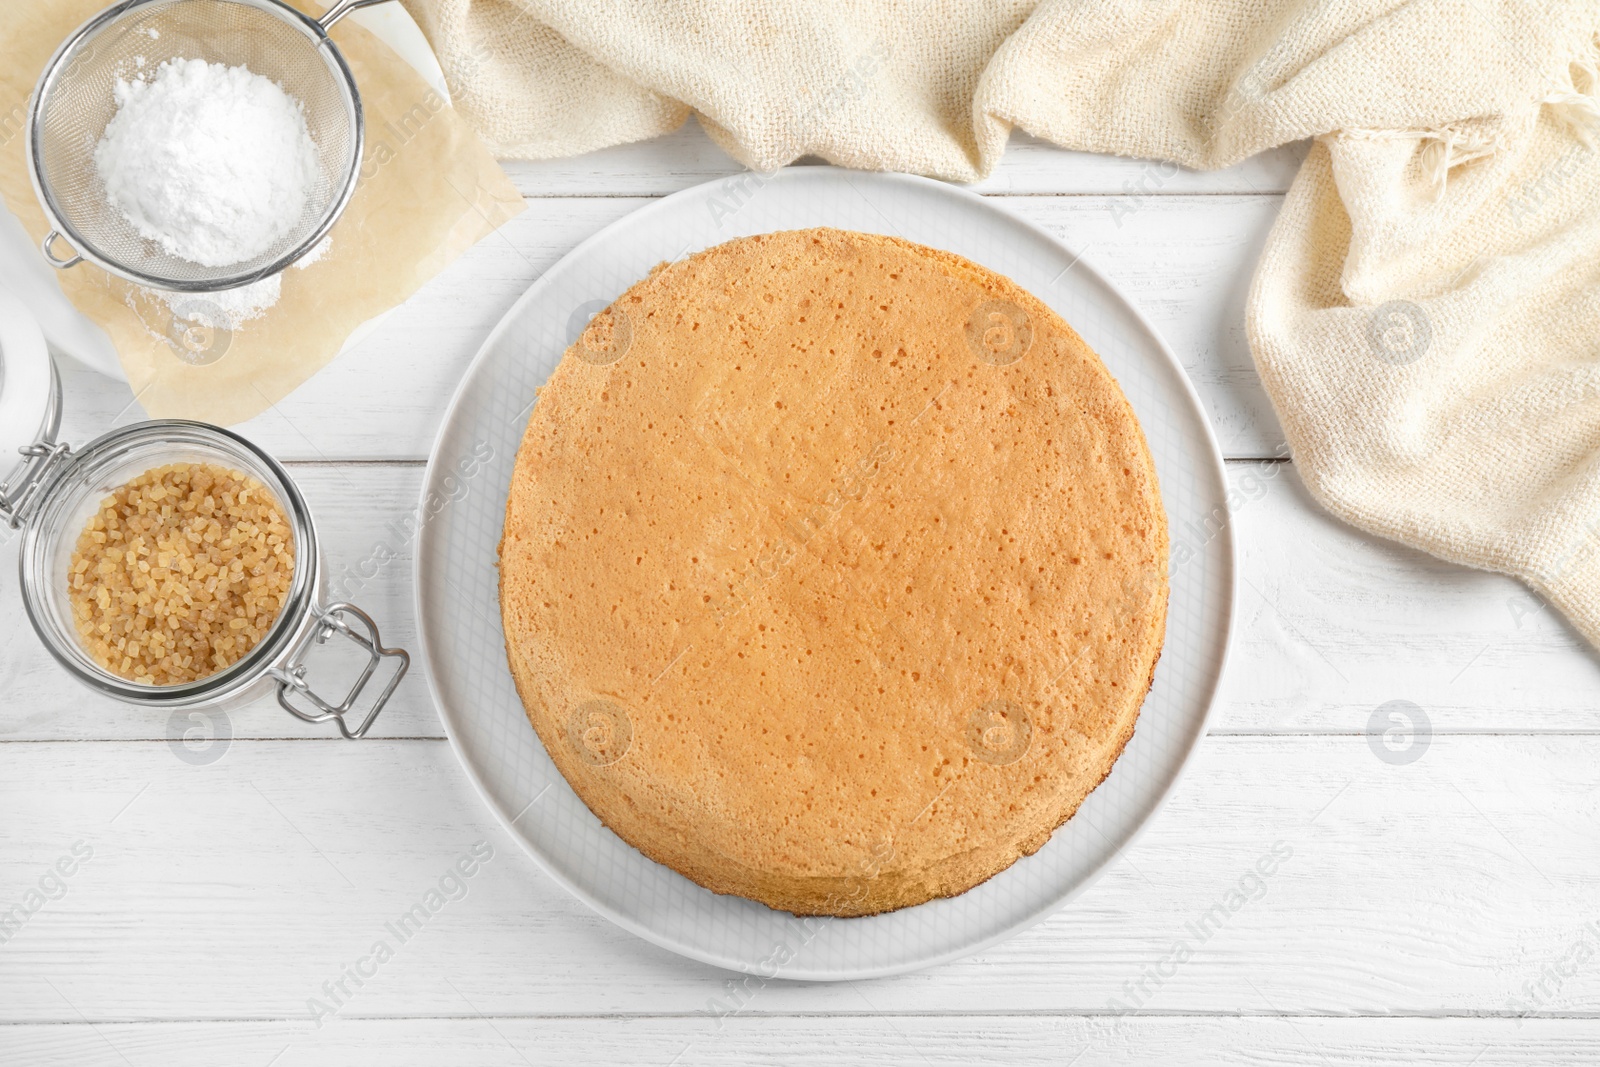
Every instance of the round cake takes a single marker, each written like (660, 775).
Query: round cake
(834, 570)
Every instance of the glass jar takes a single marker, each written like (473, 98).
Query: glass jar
(59, 489)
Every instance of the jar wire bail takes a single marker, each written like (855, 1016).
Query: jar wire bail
(291, 676)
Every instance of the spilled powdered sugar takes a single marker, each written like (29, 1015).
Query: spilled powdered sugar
(231, 308)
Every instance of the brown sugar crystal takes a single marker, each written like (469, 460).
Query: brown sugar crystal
(180, 573)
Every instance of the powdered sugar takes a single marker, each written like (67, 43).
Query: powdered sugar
(225, 310)
(213, 162)
(230, 309)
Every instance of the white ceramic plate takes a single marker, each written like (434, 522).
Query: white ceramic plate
(464, 498)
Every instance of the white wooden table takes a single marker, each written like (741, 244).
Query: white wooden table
(1439, 903)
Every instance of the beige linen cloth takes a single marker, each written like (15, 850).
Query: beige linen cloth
(1426, 315)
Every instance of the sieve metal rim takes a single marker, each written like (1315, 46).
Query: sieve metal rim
(315, 29)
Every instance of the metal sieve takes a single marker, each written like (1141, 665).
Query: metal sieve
(74, 102)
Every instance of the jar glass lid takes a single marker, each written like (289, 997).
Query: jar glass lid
(29, 392)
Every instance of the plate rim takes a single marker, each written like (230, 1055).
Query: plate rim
(1229, 592)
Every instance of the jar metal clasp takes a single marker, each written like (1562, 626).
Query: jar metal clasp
(41, 460)
(335, 619)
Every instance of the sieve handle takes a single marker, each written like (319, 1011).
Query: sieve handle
(340, 9)
(50, 257)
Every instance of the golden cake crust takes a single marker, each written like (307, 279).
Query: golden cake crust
(834, 570)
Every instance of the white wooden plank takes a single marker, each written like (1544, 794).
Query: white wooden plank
(688, 157)
(1332, 624)
(1186, 261)
(891, 1041)
(1460, 883)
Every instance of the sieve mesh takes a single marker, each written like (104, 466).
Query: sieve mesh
(76, 103)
